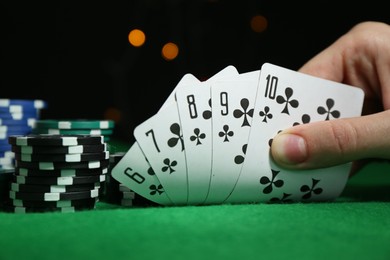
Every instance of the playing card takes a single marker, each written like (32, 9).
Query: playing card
(161, 140)
(232, 109)
(187, 80)
(144, 181)
(286, 98)
(134, 172)
(194, 106)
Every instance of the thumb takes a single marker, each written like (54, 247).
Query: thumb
(329, 143)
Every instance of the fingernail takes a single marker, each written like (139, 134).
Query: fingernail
(289, 149)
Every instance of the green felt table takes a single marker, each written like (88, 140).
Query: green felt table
(355, 226)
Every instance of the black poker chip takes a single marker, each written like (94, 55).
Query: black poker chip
(111, 188)
(126, 195)
(53, 204)
(62, 165)
(54, 196)
(18, 209)
(117, 193)
(60, 172)
(5, 180)
(5, 173)
(62, 157)
(58, 180)
(72, 149)
(53, 188)
(55, 140)
(115, 158)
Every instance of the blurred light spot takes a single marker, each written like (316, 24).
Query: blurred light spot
(136, 37)
(170, 51)
(259, 23)
(113, 114)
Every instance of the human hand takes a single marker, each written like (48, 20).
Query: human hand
(360, 58)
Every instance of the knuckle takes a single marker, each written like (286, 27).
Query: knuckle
(344, 136)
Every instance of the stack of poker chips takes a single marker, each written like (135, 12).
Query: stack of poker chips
(57, 172)
(119, 194)
(17, 117)
(75, 127)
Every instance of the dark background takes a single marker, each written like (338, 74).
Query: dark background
(77, 57)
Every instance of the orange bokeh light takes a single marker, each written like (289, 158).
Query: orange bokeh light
(113, 114)
(259, 23)
(136, 37)
(170, 51)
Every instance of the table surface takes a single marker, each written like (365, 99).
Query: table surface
(355, 226)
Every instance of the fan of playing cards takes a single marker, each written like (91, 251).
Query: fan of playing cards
(210, 141)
